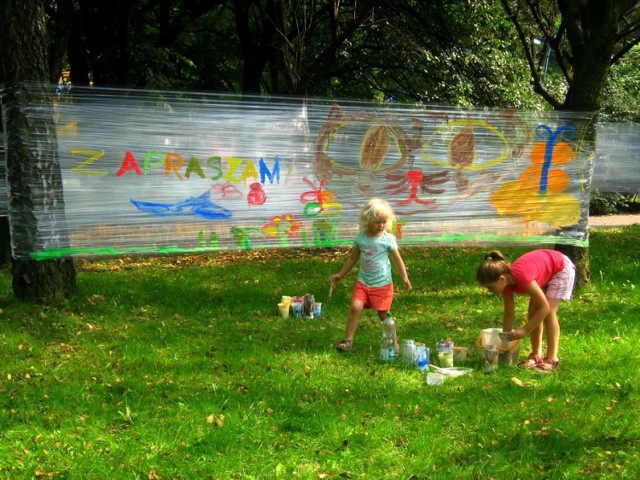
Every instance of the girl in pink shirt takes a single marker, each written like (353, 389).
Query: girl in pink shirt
(547, 276)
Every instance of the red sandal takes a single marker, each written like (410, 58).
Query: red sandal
(532, 360)
(547, 365)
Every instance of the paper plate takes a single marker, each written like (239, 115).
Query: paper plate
(452, 371)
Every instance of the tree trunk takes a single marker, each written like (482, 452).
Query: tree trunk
(36, 204)
(257, 50)
(592, 28)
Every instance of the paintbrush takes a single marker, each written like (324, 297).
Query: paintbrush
(331, 290)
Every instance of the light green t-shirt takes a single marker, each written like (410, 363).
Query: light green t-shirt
(375, 266)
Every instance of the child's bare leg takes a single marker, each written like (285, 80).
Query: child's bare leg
(552, 328)
(536, 340)
(353, 317)
(536, 337)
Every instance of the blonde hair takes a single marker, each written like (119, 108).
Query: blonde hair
(493, 265)
(374, 209)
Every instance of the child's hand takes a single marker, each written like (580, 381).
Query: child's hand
(517, 334)
(407, 284)
(335, 278)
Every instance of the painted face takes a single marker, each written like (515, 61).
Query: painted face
(376, 226)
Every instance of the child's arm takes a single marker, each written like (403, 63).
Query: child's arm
(399, 263)
(538, 310)
(509, 315)
(348, 265)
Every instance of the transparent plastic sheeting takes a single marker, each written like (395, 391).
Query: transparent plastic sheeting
(167, 172)
(617, 168)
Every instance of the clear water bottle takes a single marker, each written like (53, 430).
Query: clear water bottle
(387, 345)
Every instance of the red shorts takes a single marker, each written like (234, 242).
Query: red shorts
(377, 298)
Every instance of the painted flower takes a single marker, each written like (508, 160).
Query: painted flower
(282, 224)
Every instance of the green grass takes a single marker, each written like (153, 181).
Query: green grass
(181, 368)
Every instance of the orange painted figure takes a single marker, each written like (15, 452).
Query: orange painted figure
(537, 195)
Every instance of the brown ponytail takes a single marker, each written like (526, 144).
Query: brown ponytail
(493, 265)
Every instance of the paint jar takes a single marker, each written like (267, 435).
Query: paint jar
(296, 308)
(460, 354)
(317, 309)
(286, 299)
(408, 352)
(490, 356)
(444, 348)
(422, 357)
(284, 310)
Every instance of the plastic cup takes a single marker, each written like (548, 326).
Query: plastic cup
(445, 359)
(296, 307)
(317, 309)
(490, 359)
(284, 310)
(460, 354)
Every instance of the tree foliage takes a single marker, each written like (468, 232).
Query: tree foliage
(526, 54)
(454, 52)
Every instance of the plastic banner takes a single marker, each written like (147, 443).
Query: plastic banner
(148, 172)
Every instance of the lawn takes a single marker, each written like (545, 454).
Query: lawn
(180, 367)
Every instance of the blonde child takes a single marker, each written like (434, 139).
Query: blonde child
(373, 247)
(547, 277)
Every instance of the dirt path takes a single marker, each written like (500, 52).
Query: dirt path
(611, 221)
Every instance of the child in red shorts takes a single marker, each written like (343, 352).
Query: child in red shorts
(374, 246)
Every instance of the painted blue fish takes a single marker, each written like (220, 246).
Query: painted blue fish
(200, 206)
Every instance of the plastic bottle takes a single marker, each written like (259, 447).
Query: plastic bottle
(422, 357)
(387, 345)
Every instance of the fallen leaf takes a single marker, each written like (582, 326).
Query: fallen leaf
(153, 475)
(517, 381)
(218, 420)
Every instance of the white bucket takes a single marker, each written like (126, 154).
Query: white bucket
(491, 336)
(508, 349)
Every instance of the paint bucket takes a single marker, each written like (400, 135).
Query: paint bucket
(508, 350)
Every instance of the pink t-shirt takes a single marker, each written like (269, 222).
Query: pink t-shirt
(538, 265)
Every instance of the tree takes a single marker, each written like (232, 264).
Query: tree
(33, 169)
(586, 37)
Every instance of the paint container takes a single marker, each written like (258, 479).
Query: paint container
(508, 350)
(296, 309)
(317, 309)
(408, 352)
(308, 302)
(460, 354)
(422, 357)
(490, 356)
(283, 308)
(286, 299)
(444, 348)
